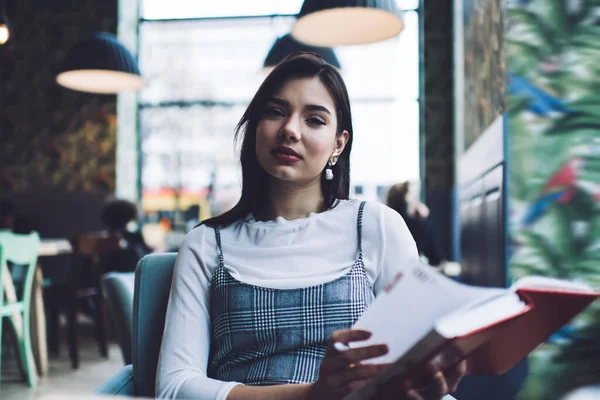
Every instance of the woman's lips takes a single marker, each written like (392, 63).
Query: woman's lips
(285, 154)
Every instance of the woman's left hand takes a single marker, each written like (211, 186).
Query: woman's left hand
(437, 386)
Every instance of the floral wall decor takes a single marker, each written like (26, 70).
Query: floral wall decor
(52, 136)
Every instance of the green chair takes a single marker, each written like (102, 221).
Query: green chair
(21, 250)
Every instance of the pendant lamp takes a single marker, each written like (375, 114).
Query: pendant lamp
(333, 23)
(286, 45)
(4, 30)
(4, 25)
(100, 64)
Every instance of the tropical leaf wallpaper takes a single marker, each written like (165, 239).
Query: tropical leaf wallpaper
(52, 136)
(553, 49)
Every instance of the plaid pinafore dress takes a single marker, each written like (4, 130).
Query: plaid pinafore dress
(264, 336)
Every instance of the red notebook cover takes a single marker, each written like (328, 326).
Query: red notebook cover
(491, 350)
(494, 349)
(512, 340)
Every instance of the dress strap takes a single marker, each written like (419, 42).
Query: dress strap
(218, 237)
(359, 227)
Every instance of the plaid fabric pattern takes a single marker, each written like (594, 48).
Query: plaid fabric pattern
(264, 336)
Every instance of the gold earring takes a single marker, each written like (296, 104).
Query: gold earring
(333, 160)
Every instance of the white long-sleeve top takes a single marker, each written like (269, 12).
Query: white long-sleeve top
(277, 254)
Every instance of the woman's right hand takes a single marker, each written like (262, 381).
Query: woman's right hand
(341, 372)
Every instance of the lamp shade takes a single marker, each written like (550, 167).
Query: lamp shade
(333, 23)
(4, 30)
(100, 64)
(286, 45)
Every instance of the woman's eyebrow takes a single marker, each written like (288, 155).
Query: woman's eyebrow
(309, 107)
(316, 107)
(278, 101)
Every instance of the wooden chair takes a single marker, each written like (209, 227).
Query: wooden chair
(21, 250)
(85, 282)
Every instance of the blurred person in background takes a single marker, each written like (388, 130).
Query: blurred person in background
(11, 220)
(261, 293)
(116, 216)
(8, 216)
(404, 198)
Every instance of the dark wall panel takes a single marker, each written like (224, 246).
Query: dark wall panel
(437, 122)
(483, 230)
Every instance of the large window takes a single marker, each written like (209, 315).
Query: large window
(203, 63)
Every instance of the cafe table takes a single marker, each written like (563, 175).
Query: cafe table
(39, 344)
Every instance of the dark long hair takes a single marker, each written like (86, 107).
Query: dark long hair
(254, 177)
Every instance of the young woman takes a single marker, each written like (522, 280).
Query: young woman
(261, 293)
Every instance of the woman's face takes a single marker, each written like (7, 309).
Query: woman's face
(296, 135)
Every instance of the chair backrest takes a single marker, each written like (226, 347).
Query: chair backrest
(97, 243)
(118, 291)
(86, 277)
(22, 250)
(151, 296)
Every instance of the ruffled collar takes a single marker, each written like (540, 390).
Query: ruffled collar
(280, 221)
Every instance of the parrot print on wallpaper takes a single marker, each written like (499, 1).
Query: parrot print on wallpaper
(553, 115)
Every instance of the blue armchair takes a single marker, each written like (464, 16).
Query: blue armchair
(118, 293)
(152, 286)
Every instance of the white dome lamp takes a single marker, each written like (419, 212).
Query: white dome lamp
(4, 25)
(331, 23)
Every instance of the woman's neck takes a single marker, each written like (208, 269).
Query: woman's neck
(291, 201)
